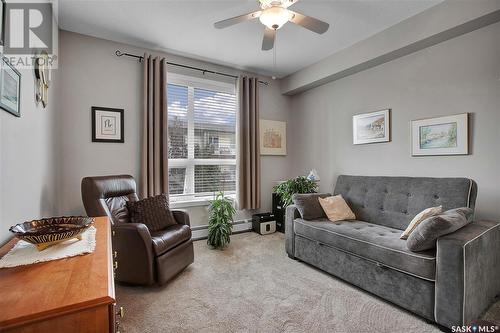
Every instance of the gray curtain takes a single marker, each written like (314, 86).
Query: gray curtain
(249, 144)
(154, 164)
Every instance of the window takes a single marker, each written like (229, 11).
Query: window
(202, 138)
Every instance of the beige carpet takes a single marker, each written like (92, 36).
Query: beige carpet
(253, 286)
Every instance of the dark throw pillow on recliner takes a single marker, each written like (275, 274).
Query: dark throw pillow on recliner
(308, 205)
(425, 235)
(152, 211)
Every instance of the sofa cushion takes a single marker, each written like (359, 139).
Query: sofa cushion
(152, 211)
(371, 241)
(394, 201)
(336, 209)
(168, 238)
(425, 235)
(308, 205)
(422, 216)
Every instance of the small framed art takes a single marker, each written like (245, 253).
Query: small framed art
(272, 137)
(107, 125)
(2, 22)
(371, 127)
(441, 136)
(10, 88)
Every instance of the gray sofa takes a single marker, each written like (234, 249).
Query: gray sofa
(451, 285)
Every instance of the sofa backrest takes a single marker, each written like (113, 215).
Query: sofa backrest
(394, 201)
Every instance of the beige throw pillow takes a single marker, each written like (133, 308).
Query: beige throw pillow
(423, 215)
(336, 209)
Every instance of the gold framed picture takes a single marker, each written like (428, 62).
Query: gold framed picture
(272, 137)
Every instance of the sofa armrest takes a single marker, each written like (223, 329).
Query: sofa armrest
(181, 217)
(134, 247)
(467, 271)
(291, 214)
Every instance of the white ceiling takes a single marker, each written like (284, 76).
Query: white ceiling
(185, 27)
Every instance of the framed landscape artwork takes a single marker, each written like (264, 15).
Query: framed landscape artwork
(371, 127)
(107, 125)
(10, 88)
(272, 137)
(441, 136)
(2, 22)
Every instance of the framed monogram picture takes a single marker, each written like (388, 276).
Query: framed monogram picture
(107, 125)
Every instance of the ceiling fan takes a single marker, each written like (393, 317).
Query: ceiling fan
(274, 14)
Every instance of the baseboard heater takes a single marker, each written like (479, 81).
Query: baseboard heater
(201, 231)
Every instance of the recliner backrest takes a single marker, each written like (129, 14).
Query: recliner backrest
(107, 196)
(394, 201)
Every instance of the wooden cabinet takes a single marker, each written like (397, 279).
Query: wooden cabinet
(76, 294)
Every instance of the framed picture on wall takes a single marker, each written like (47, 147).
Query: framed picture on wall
(107, 125)
(373, 127)
(441, 136)
(10, 88)
(2, 22)
(272, 137)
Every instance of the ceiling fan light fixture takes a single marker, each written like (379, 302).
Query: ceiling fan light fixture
(274, 17)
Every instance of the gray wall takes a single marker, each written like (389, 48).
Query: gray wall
(92, 75)
(28, 158)
(456, 76)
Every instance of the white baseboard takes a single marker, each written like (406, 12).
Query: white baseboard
(201, 232)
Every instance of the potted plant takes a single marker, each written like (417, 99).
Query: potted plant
(288, 188)
(220, 222)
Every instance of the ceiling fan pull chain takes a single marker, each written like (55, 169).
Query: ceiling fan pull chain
(274, 52)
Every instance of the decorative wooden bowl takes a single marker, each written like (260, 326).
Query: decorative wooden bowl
(50, 231)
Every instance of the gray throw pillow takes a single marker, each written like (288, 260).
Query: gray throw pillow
(425, 235)
(308, 205)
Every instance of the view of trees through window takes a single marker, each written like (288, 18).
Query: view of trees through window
(202, 140)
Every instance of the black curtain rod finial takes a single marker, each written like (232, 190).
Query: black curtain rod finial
(121, 54)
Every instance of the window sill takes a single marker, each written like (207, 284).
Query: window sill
(196, 202)
(191, 203)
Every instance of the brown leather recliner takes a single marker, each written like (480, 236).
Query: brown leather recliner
(143, 257)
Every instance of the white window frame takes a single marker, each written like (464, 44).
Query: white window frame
(186, 200)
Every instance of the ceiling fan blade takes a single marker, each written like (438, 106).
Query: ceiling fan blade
(309, 23)
(268, 41)
(238, 19)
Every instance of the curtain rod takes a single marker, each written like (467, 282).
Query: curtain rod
(121, 54)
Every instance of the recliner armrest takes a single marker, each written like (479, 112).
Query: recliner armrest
(291, 214)
(181, 217)
(467, 270)
(134, 247)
